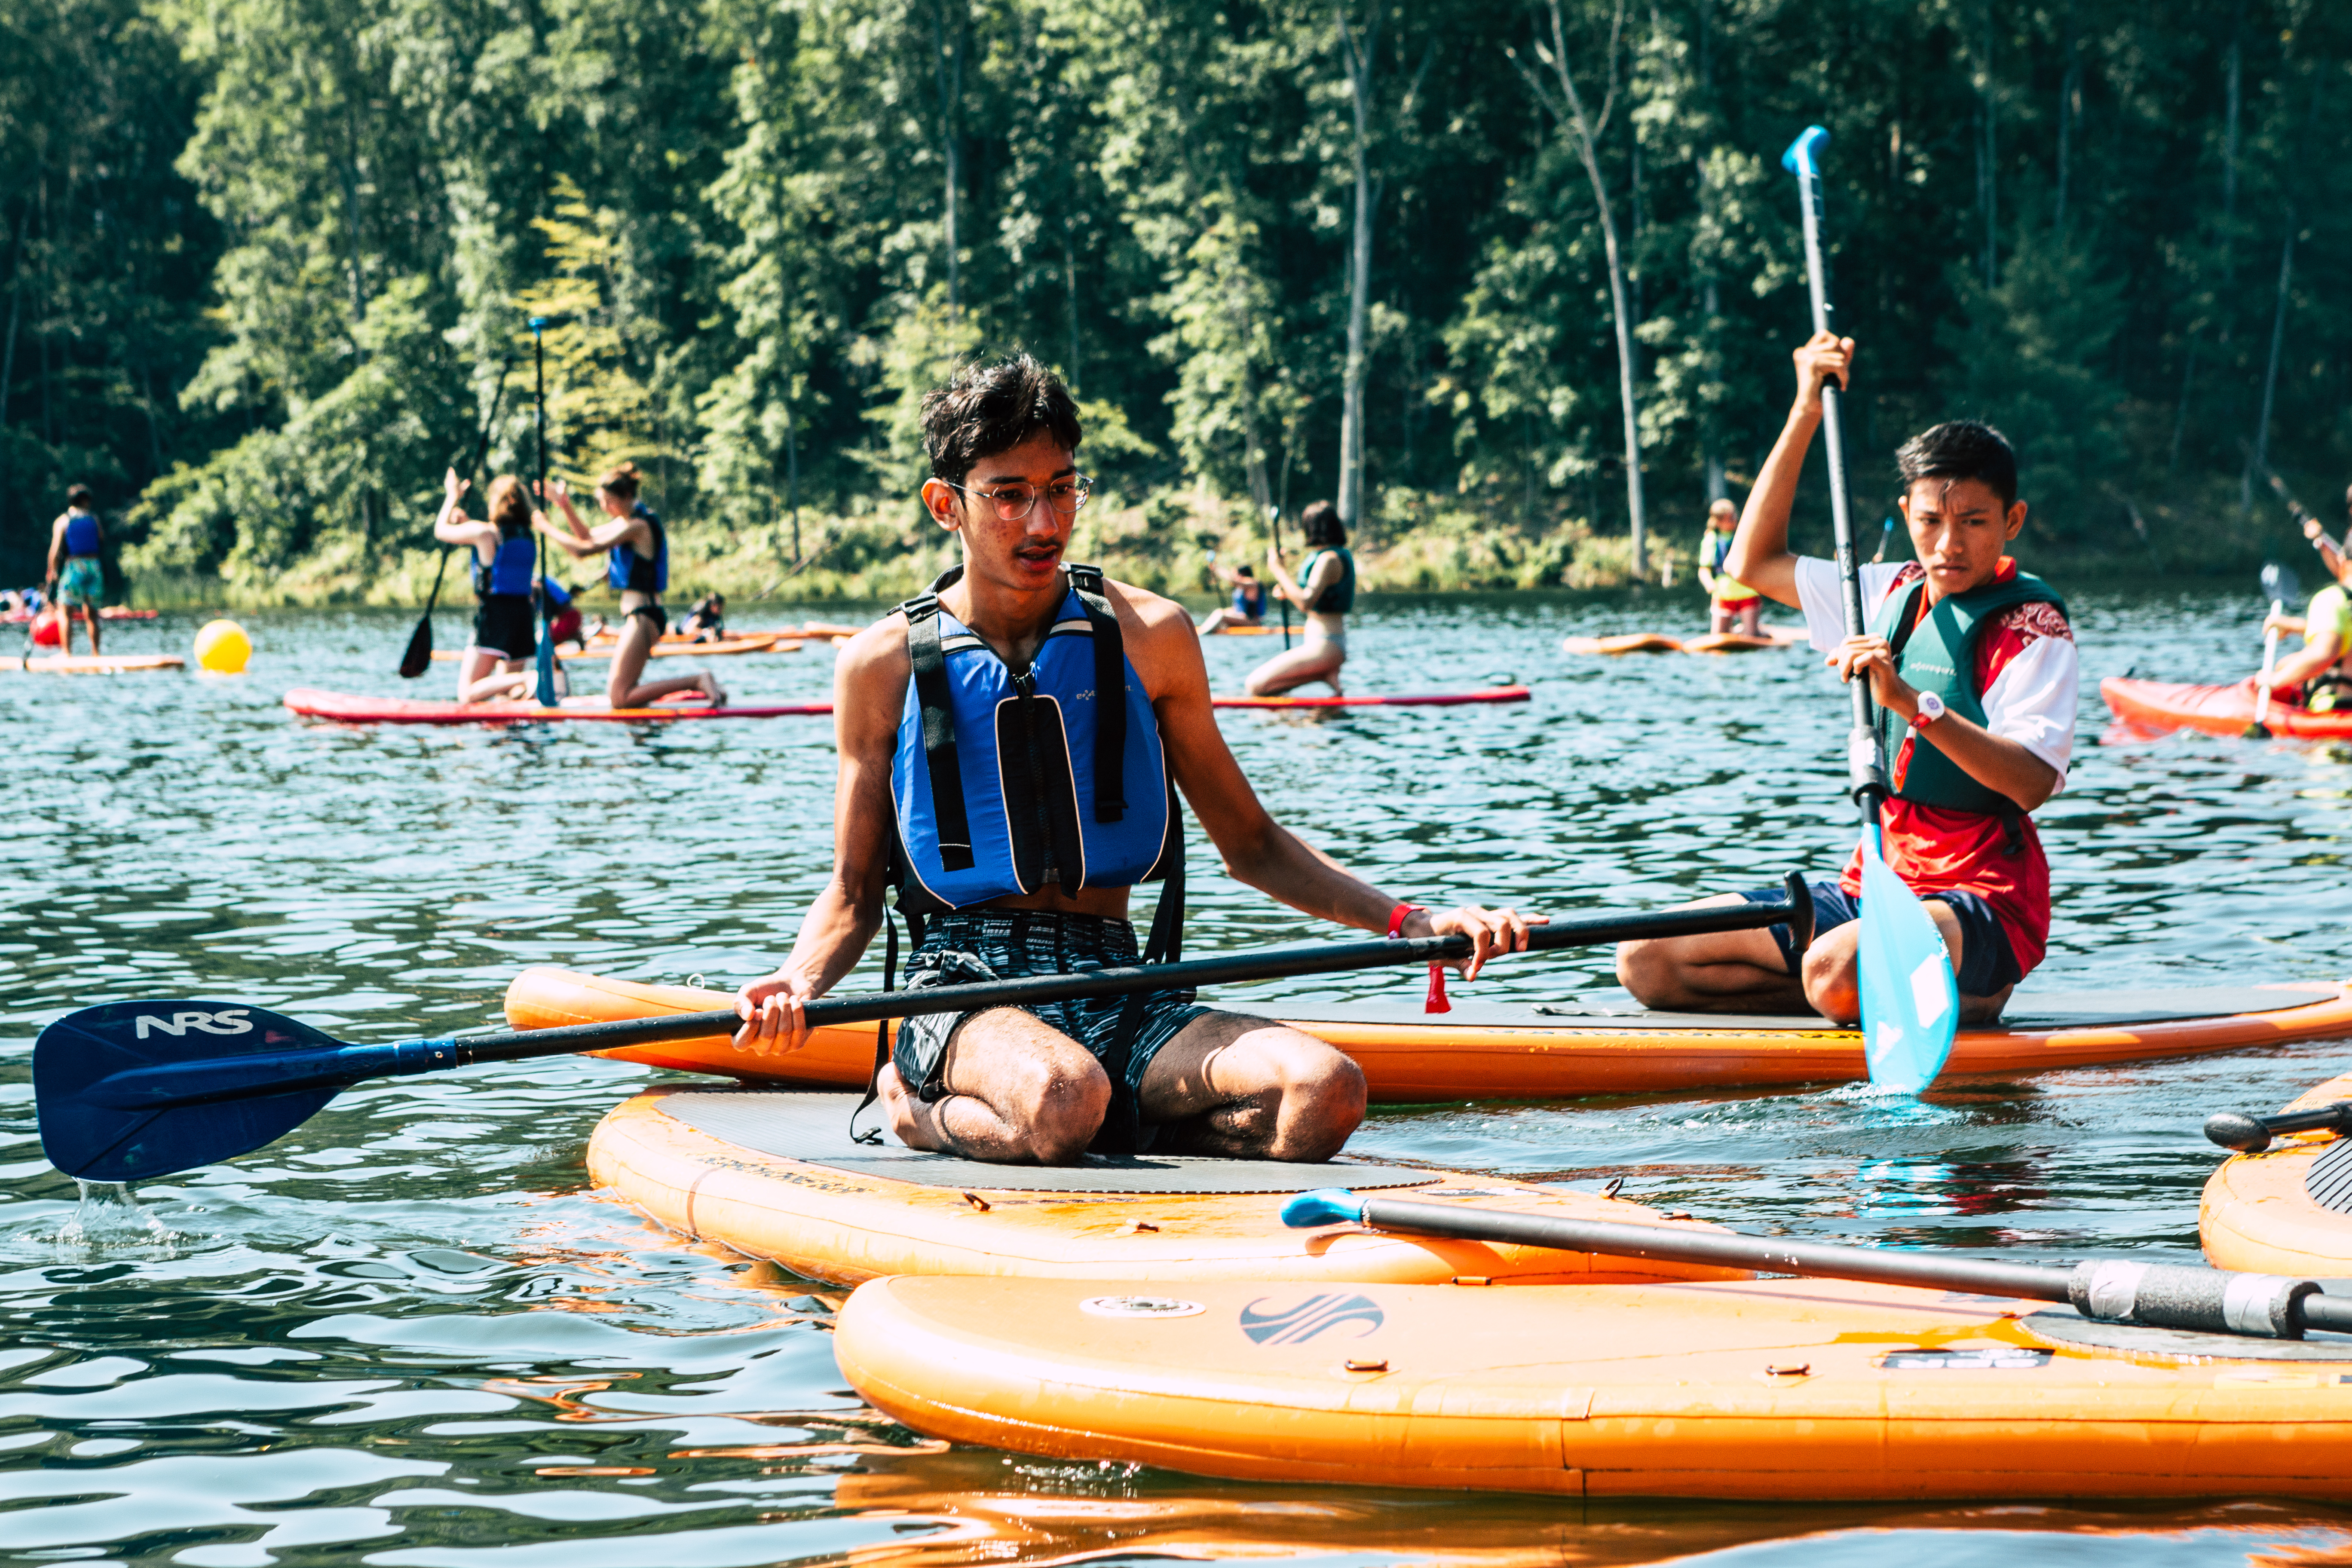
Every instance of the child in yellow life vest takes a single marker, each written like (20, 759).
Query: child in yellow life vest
(1730, 603)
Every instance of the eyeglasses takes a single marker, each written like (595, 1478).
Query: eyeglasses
(1014, 502)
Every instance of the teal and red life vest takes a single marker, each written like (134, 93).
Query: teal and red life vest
(1937, 652)
(1004, 781)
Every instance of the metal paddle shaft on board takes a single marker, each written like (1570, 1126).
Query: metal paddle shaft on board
(419, 655)
(2279, 585)
(1910, 1003)
(2205, 1301)
(546, 683)
(1273, 533)
(131, 1091)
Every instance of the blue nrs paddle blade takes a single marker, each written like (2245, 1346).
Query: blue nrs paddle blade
(88, 1131)
(1910, 1006)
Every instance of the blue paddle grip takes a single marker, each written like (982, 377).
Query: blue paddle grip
(1803, 158)
(1323, 1206)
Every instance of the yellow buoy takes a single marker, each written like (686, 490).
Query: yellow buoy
(222, 648)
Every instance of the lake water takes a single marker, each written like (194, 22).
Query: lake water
(410, 1334)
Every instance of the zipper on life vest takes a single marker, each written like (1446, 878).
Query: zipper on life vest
(1024, 686)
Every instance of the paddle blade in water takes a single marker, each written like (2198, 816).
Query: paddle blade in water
(84, 1135)
(420, 650)
(1910, 1006)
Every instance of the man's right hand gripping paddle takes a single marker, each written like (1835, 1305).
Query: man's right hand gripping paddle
(1910, 1001)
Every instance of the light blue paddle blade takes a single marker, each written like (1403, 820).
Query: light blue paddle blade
(1910, 1006)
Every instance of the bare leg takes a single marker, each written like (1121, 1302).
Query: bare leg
(1019, 1093)
(1833, 971)
(1300, 667)
(1214, 622)
(622, 686)
(1751, 618)
(1249, 1089)
(483, 677)
(89, 619)
(1721, 972)
(1718, 619)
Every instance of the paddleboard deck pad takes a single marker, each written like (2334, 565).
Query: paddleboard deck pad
(98, 663)
(1778, 1389)
(778, 1175)
(2216, 710)
(1549, 1051)
(1398, 699)
(2287, 1210)
(1666, 642)
(348, 709)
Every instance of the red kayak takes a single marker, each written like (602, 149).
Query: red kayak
(2216, 710)
(348, 709)
(1408, 699)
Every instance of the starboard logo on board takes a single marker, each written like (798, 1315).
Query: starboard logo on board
(1297, 1324)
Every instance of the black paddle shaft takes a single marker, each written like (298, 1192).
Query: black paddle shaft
(219, 1079)
(1865, 762)
(2206, 1301)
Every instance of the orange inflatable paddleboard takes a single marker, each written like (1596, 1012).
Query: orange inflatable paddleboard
(1520, 1051)
(778, 1175)
(98, 663)
(2287, 1210)
(1782, 1389)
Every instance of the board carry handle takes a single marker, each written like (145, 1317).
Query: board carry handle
(2250, 1133)
(2154, 1295)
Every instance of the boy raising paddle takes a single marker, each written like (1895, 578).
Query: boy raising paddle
(1972, 667)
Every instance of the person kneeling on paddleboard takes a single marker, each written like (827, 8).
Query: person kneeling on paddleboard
(1972, 665)
(637, 551)
(495, 666)
(1010, 745)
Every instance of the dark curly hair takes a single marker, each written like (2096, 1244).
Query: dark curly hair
(995, 408)
(1960, 449)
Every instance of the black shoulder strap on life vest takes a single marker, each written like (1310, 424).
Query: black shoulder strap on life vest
(1111, 694)
(882, 1027)
(930, 664)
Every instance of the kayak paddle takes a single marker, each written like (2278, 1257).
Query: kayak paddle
(546, 691)
(133, 1090)
(1910, 1003)
(2157, 1295)
(420, 642)
(2278, 586)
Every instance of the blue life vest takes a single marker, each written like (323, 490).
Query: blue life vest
(81, 533)
(508, 572)
(1003, 782)
(1249, 598)
(631, 572)
(557, 594)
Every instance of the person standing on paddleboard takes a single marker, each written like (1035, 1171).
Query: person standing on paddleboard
(77, 577)
(1326, 590)
(1011, 747)
(637, 551)
(1732, 606)
(495, 665)
(1972, 665)
(1248, 606)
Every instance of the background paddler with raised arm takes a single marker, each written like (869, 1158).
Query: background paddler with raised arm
(1012, 743)
(1971, 664)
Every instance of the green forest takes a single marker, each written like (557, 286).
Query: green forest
(1513, 280)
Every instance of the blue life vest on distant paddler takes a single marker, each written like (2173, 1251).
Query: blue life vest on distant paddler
(1004, 781)
(510, 571)
(1937, 652)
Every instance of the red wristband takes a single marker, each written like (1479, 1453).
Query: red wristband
(1436, 1001)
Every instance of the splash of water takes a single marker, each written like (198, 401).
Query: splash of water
(110, 1217)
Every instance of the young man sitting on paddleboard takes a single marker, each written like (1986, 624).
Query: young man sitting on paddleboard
(984, 775)
(1972, 665)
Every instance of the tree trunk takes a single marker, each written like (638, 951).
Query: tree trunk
(2269, 375)
(2233, 75)
(1070, 296)
(1586, 129)
(1988, 179)
(948, 62)
(2069, 98)
(1360, 265)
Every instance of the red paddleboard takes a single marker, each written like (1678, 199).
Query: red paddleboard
(1404, 699)
(2216, 710)
(764, 642)
(111, 613)
(350, 708)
